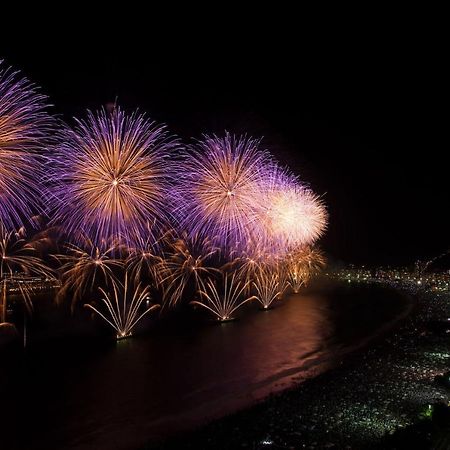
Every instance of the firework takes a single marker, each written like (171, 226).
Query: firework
(247, 267)
(17, 259)
(143, 262)
(223, 304)
(83, 268)
(24, 126)
(302, 265)
(188, 260)
(235, 194)
(109, 177)
(294, 215)
(220, 188)
(123, 312)
(268, 285)
(144, 257)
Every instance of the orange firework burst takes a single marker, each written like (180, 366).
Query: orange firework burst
(85, 267)
(269, 285)
(187, 261)
(24, 126)
(110, 177)
(220, 190)
(301, 265)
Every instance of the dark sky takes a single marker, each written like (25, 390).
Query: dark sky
(360, 119)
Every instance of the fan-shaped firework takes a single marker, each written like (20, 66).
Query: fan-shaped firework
(110, 177)
(123, 312)
(220, 191)
(24, 126)
(269, 286)
(223, 303)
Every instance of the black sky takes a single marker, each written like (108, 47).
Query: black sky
(361, 119)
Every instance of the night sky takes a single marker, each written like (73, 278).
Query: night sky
(358, 119)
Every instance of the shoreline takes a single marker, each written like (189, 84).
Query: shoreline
(349, 404)
(336, 317)
(290, 382)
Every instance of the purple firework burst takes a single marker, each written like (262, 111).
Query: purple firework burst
(236, 195)
(109, 177)
(219, 190)
(24, 130)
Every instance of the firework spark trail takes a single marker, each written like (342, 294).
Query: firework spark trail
(144, 262)
(110, 177)
(188, 259)
(219, 191)
(247, 267)
(84, 267)
(122, 313)
(24, 127)
(145, 257)
(268, 285)
(302, 265)
(17, 255)
(223, 303)
(248, 263)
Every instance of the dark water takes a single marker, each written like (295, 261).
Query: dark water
(95, 394)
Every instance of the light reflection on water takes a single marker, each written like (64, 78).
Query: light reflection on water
(180, 375)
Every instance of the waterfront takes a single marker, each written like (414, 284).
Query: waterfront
(392, 395)
(85, 393)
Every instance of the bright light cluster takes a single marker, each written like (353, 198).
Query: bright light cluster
(24, 129)
(235, 194)
(132, 214)
(109, 177)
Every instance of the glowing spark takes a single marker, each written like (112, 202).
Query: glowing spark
(236, 195)
(301, 265)
(24, 126)
(294, 215)
(186, 263)
(269, 286)
(223, 304)
(84, 267)
(123, 312)
(110, 177)
(219, 192)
